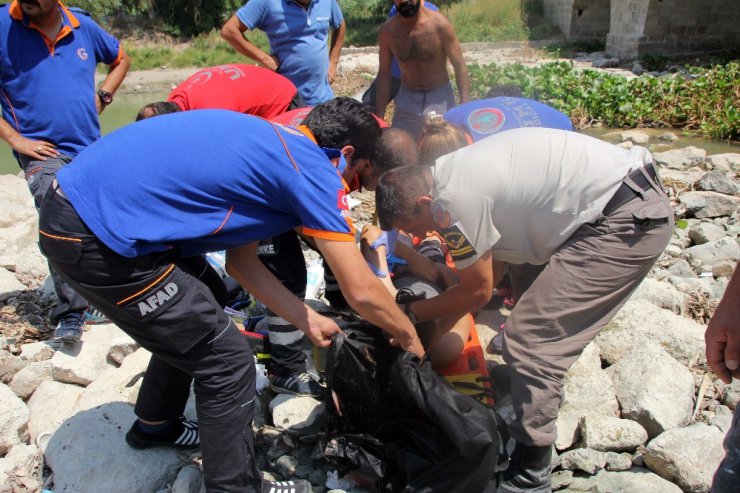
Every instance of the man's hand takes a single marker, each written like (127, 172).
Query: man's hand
(272, 63)
(320, 329)
(332, 72)
(723, 333)
(412, 345)
(37, 149)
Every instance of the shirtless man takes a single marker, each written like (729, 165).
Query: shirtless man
(422, 41)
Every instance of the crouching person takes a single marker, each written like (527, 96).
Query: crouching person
(592, 215)
(118, 221)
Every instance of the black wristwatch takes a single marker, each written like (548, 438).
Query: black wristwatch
(105, 97)
(409, 313)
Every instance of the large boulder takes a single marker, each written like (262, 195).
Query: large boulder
(680, 158)
(725, 162)
(607, 433)
(51, 404)
(84, 362)
(103, 462)
(653, 388)
(14, 419)
(713, 252)
(636, 480)
(709, 204)
(687, 456)
(717, 181)
(639, 322)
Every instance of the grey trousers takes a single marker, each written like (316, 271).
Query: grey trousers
(578, 291)
(412, 106)
(39, 175)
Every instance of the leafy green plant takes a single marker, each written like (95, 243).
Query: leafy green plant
(705, 101)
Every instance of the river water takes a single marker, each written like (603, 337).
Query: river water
(124, 109)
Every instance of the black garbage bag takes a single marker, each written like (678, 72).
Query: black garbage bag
(396, 422)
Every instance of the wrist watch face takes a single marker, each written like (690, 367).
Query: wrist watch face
(105, 97)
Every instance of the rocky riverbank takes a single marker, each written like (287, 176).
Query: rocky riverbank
(641, 410)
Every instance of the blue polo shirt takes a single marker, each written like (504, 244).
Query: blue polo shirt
(48, 86)
(299, 38)
(395, 67)
(202, 181)
(486, 117)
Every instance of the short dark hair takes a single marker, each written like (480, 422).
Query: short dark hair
(396, 194)
(396, 148)
(344, 121)
(158, 108)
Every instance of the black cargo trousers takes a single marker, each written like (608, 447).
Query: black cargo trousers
(163, 305)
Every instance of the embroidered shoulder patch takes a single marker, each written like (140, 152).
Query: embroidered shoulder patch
(459, 245)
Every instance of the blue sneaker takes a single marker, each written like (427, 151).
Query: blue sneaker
(93, 316)
(299, 384)
(69, 328)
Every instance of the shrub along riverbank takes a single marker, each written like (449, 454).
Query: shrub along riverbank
(698, 99)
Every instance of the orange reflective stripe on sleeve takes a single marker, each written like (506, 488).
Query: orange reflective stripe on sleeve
(327, 235)
(56, 237)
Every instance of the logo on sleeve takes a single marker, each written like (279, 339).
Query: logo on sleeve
(459, 244)
(441, 215)
(486, 120)
(342, 200)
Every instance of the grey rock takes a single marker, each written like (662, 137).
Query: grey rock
(26, 381)
(661, 294)
(722, 419)
(640, 382)
(687, 456)
(634, 136)
(189, 480)
(37, 351)
(85, 361)
(607, 433)
(286, 466)
(674, 250)
(708, 204)
(668, 137)
(561, 479)
(583, 459)
(705, 232)
(606, 63)
(618, 462)
(639, 322)
(21, 461)
(120, 348)
(723, 268)
(51, 404)
(293, 412)
(14, 419)
(10, 365)
(682, 179)
(636, 480)
(9, 284)
(717, 181)
(680, 158)
(714, 252)
(681, 268)
(725, 162)
(732, 395)
(109, 465)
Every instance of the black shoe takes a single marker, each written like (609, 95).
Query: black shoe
(69, 328)
(300, 486)
(529, 470)
(182, 434)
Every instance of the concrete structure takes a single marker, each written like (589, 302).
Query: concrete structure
(632, 28)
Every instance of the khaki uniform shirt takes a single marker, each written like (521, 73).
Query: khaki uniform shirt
(522, 193)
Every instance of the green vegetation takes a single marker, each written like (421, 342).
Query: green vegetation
(702, 100)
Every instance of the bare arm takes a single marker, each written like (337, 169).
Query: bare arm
(37, 149)
(383, 79)
(366, 294)
(335, 49)
(723, 333)
(116, 74)
(473, 290)
(454, 54)
(233, 32)
(243, 265)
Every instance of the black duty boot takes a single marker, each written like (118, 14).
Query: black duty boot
(529, 470)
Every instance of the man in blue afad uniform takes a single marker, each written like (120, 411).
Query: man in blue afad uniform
(48, 57)
(298, 32)
(176, 198)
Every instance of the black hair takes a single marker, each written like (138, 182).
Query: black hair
(158, 108)
(344, 121)
(396, 148)
(396, 194)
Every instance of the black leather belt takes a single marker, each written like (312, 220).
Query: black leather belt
(625, 193)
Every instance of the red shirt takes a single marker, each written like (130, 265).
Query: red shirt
(295, 117)
(237, 87)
